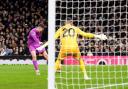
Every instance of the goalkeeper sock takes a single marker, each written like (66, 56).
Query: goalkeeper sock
(35, 64)
(82, 67)
(57, 65)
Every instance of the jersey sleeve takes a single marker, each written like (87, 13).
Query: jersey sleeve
(33, 35)
(86, 35)
(57, 34)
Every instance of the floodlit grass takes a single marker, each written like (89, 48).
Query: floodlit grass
(22, 77)
(102, 77)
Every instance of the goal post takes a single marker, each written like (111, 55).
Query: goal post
(51, 44)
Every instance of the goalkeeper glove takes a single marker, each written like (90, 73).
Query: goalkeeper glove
(101, 37)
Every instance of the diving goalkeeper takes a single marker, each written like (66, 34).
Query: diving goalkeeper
(69, 46)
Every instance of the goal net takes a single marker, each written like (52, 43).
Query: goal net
(106, 62)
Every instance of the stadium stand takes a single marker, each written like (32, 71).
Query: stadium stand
(16, 20)
(112, 22)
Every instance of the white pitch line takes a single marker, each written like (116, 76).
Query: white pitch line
(111, 85)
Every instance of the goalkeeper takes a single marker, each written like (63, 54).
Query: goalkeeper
(34, 45)
(69, 46)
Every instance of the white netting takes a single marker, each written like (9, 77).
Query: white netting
(106, 61)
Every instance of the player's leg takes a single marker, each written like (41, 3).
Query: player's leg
(58, 62)
(83, 69)
(45, 55)
(32, 50)
(58, 66)
(34, 60)
(82, 64)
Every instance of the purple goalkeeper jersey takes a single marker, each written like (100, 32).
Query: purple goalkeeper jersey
(34, 38)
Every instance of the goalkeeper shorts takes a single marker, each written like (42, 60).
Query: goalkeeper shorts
(33, 48)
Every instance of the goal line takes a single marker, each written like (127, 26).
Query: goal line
(110, 85)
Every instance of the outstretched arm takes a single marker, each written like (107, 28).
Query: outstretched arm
(86, 35)
(90, 35)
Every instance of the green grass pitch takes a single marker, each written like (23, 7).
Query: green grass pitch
(22, 77)
(102, 77)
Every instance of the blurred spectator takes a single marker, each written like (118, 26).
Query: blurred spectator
(89, 53)
(16, 20)
(108, 17)
(5, 51)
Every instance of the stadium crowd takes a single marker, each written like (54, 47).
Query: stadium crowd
(108, 17)
(111, 21)
(16, 20)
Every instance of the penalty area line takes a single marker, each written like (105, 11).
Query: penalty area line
(110, 85)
